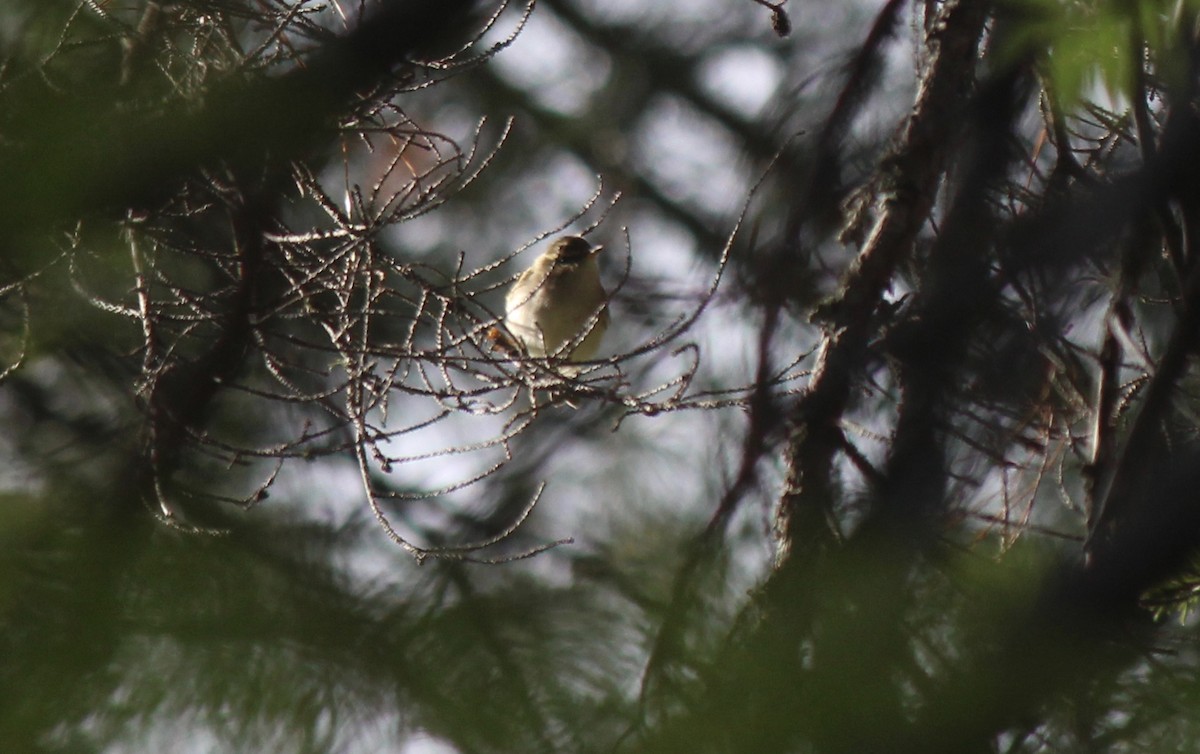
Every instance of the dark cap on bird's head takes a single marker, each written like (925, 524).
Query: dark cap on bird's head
(572, 249)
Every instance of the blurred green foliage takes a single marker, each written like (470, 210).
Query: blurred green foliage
(148, 156)
(1094, 49)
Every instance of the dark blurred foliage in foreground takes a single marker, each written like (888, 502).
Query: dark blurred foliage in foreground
(892, 447)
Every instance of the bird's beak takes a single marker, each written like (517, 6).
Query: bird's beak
(595, 250)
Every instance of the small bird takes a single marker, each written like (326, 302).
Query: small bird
(557, 307)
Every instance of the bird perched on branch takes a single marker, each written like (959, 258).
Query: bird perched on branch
(557, 307)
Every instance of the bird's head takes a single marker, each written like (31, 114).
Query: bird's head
(570, 251)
